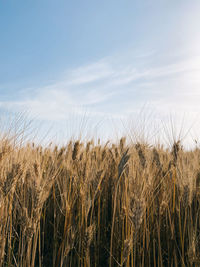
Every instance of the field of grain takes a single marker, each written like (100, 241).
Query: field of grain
(90, 205)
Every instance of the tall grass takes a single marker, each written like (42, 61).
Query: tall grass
(93, 205)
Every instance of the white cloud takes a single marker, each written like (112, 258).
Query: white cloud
(115, 88)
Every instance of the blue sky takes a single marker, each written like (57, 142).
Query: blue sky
(62, 60)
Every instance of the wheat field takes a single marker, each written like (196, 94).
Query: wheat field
(90, 205)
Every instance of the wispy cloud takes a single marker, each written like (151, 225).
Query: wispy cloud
(114, 88)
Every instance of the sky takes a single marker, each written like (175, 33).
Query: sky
(95, 65)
